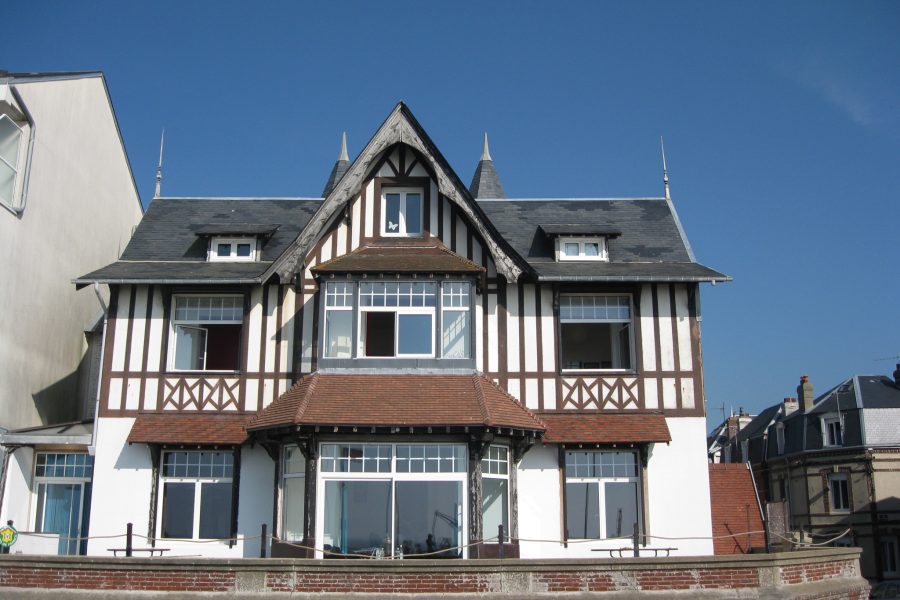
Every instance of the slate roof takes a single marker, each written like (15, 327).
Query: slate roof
(486, 182)
(189, 428)
(605, 428)
(400, 256)
(396, 400)
(651, 246)
(170, 243)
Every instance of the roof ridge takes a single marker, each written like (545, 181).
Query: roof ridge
(527, 410)
(307, 395)
(482, 401)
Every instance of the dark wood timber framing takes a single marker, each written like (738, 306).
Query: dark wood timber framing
(131, 297)
(235, 496)
(111, 324)
(146, 350)
(155, 455)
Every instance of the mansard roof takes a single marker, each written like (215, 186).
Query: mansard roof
(396, 400)
(411, 255)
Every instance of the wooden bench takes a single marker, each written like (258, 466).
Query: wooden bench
(151, 551)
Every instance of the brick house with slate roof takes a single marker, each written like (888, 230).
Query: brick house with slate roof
(403, 366)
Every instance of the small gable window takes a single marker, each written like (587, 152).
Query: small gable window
(401, 212)
(588, 248)
(232, 249)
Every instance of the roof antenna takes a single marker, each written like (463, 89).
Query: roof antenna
(662, 149)
(486, 151)
(162, 141)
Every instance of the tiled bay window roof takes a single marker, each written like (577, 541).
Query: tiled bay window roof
(400, 256)
(396, 400)
(198, 428)
(610, 428)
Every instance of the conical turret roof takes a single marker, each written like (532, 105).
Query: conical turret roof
(486, 182)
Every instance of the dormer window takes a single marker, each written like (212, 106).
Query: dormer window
(588, 248)
(401, 212)
(232, 249)
(832, 432)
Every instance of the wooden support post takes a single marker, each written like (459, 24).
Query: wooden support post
(128, 534)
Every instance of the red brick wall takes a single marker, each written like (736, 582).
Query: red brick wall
(735, 509)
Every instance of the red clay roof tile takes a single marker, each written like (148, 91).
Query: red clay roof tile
(189, 428)
(401, 256)
(601, 428)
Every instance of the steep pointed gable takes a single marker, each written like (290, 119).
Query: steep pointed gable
(399, 127)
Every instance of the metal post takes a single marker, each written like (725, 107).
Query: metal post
(636, 540)
(500, 541)
(128, 545)
(262, 542)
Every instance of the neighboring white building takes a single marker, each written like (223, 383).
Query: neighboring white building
(401, 367)
(68, 204)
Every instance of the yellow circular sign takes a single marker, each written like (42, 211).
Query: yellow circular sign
(8, 535)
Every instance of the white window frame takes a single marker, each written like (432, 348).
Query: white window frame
(397, 310)
(20, 168)
(402, 226)
(198, 484)
(833, 478)
(392, 476)
(39, 480)
(601, 481)
(486, 460)
(285, 475)
(631, 326)
(174, 323)
(828, 422)
(465, 308)
(602, 249)
(339, 297)
(215, 242)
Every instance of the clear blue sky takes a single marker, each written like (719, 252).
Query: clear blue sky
(781, 121)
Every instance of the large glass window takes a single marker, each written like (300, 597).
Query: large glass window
(338, 319)
(455, 319)
(402, 212)
(400, 500)
(11, 136)
(595, 332)
(397, 318)
(294, 486)
(602, 497)
(196, 494)
(63, 489)
(495, 492)
(206, 332)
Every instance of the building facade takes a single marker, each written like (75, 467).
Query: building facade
(403, 367)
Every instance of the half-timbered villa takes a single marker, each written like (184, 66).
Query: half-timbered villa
(403, 366)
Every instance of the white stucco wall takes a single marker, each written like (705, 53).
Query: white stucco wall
(257, 494)
(677, 498)
(17, 496)
(80, 212)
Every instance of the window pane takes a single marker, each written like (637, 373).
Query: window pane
(338, 333)
(621, 509)
(413, 214)
(379, 328)
(294, 496)
(571, 249)
(583, 510)
(223, 347)
(591, 249)
(224, 250)
(178, 510)
(10, 138)
(429, 517)
(215, 510)
(415, 334)
(7, 183)
(595, 345)
(392, 213)
(190, 347)
(243, 249)
(455, 335)
(357, 517)
(495, 507)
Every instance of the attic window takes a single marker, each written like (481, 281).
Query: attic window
(581, 249)
(232, 249)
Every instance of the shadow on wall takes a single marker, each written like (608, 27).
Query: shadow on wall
(59, 402)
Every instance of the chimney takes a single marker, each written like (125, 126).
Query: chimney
(734, 426)
(790, 406)
(805, 394)
(897, 376)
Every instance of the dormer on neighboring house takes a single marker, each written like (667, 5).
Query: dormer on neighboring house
(235, 242)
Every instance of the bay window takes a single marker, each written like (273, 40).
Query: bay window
(206, 333)
(595, 332)
(602, 494)
(294, 488)
(455, 320)
(338, 319)
(196, 494)
(495, 492)
(397, 318)
(63, 489)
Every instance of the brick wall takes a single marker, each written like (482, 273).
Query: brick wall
(818, 574)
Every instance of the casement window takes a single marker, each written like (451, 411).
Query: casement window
(839, 492)
(595, 332)
(232, 249)
(195, 502)
(602, 494)
(294, 494)
(206, 333)
(832, 431)
(15, 127)
(495, 492)
(396, 500)
(890, 557)
(397, 318)
(62, 485)
(338, 319)
(401, 212)
(456, 329)
(581, 249)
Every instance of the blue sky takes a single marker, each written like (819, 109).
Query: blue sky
(781, 124)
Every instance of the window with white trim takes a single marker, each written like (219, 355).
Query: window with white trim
(401, 212)
(456, 329)
(206, 333)
(602, 494)
(581, 248)
(495, 492)
(832, 431)
(839, 492)
(62, 486)
(397, 318)
(595, 332)
(293, 506)
(12, 159)
(338, 319)
(195, 502)
(232, 249)
(399, 500)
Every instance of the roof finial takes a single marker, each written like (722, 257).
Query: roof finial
(162, 141)
(486, 152)
(344, 155)
(662, 149)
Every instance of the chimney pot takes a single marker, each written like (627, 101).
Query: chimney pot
(805, 393)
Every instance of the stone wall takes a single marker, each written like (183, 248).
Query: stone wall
(816, 574)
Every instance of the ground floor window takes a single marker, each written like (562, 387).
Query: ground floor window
(495, 492)
(63, 490)
(602, 494)
(402, 500)
(293, 508)
(196, 494)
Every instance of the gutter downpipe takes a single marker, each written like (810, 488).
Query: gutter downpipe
(762, 513)
(92, 449)
(32, 131)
